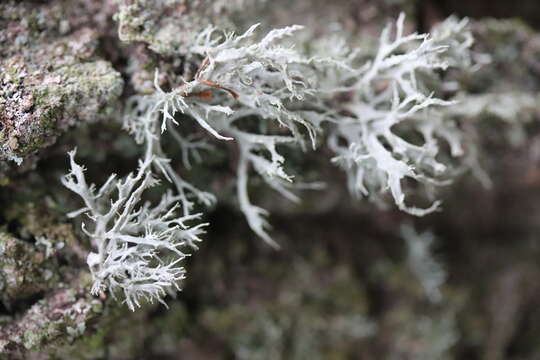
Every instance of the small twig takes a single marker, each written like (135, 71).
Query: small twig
(217, 86)
(204, 94)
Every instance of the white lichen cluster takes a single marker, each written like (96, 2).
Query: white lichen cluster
(264, 94)
(386, 92)
(138, 247)
(395, 125)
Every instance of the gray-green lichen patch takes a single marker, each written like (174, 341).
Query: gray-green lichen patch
(51, 78)
(59, 318)
(37, 258)
(25, 270)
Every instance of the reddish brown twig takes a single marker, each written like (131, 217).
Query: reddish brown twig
(217, 86)
(204, 94)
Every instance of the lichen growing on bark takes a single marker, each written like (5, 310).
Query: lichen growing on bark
(343, 285)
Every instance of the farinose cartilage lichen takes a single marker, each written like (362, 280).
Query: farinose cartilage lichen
(295, 98)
